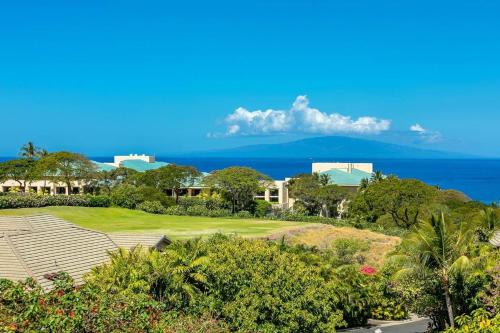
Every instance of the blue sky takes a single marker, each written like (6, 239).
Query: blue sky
(164, 77)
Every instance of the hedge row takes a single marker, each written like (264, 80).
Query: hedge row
(33, 201)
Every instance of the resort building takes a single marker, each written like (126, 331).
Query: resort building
(344, 174)
(40, 246)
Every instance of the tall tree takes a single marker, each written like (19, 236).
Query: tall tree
(66, 167)
(172, 177)
(237, 184)
(440, 247)
(30, 151)
(403, 199)
(20, 170)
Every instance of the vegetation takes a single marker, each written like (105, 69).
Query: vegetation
(312, 279)
(238, 185)
(66, 167)
(316, 195)
(123, 220)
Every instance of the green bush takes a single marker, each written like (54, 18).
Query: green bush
(153, 207)
(32, 201)
(243, 214)
(262, 208)
(126, 196)
(176, 210)
(25, 307)
(152, 194)
(197, 210)
(99, 201)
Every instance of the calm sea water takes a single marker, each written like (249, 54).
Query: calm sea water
(478, 178)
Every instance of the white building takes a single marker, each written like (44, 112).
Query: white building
(344, 174)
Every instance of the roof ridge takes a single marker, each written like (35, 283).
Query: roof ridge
(19, 257)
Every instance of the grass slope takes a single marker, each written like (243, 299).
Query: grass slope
(323, 236)
(175, 227)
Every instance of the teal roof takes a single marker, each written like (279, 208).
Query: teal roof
(141, 166)
(103, 166)
(344, 178)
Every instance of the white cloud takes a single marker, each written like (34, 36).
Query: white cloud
(300, 118)
(425, 135)
(417, 128)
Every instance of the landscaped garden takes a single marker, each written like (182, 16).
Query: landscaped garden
(427, 251)
(115, 219)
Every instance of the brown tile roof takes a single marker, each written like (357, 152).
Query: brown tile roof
(495, 240)
(34, 246)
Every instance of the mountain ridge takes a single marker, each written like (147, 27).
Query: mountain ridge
(329, 147)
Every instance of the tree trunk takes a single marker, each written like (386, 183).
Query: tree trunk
(449, 307)
(176, 196)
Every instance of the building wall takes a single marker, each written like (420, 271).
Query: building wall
(143, 157)
(321, 167)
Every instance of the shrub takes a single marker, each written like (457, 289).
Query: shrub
(126, 196)
(153, 207)
(99, 201)
(176, 210)
(152, 194)
(33, 201)
(262, 208)
(219, 213)
(243, 214)
(25, 307)
(197, 210)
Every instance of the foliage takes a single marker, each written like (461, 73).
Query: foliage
(405, 200)
(262, 208)
(153, 207)
(238, 185)
(66, 167)
(171, 177)
(252, 285)
(431, 259)
(30, 201)
(348, 251)
(20, 170)
(479, 321)
(126, 196)
(315, 194)
(25, 307)
(152, 194)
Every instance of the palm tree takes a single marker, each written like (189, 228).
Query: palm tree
(28, 150)
(178, 275)
(376, 176)
(489, 219)
(439, 247)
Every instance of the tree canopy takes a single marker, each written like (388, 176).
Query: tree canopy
(66, 167)
(237, 184)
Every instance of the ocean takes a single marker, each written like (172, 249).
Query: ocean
(478, 178)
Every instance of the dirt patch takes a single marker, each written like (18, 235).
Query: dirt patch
(322, 236)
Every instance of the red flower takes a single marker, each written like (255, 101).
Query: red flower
(71, 314)
(13, 326)
(60, 293)
(59, 312)
(41, 301)
(368, 270)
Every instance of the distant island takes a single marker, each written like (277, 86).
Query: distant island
(329, 147)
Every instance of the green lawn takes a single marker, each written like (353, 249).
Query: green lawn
(175, 227)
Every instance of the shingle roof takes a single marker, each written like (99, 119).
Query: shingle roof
(33, 246)
(344, 178)
(129, 241)
(495, 240)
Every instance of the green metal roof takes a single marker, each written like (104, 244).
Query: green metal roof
(141, 166)
(342, 177)
(103, 166)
